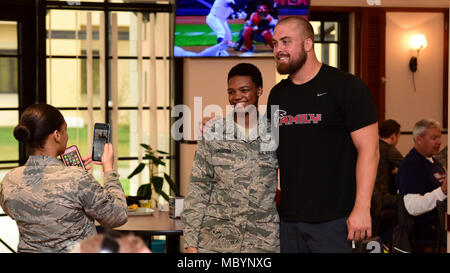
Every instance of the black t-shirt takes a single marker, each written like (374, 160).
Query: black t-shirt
(316, 154)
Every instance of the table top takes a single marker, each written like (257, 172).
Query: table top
(157, 223)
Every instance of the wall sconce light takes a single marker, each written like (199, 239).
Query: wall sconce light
(417, 42)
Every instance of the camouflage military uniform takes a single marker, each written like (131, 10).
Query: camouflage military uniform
(54, 206)
(230, 204)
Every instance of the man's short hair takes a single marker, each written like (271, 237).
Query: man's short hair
(422, 125)
(388, 127)
(305, 27)
(247, 69)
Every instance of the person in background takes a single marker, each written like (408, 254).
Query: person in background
(384, 195)
(422, 180)
(230, 204)
(442, 157)
(111, 242)
(53, 205)
(328, 148)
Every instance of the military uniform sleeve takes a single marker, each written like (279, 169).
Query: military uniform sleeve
(106, 204)
(197, 198)
(2, 198)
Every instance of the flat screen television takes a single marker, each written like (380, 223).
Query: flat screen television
(230, 28)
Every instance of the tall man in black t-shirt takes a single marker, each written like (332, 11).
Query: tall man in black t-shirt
(328, 150)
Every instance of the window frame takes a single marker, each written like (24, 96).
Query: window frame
(342, 18)
(108, 8)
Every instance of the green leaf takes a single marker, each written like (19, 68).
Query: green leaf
(145, 146)
(145, 191)
(157, 161)
(162, 152)
(138, 169)
(165, 196)
(172, 184)
(157, 183)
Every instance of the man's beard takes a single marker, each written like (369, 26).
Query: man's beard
(292, 66)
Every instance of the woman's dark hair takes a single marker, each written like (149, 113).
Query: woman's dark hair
(246, 69)
(36, 123)
(388, 127)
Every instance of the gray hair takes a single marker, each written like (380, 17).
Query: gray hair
(422, 125)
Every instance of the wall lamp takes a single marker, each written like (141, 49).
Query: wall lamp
(417, 42)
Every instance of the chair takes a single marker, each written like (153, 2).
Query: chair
(385, 220)
(441, 236)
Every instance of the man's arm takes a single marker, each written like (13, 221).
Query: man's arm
(359, 222)
(417, 204)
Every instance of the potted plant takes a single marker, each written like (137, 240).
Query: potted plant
(156, 181)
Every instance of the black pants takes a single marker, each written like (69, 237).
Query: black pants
(325, 237)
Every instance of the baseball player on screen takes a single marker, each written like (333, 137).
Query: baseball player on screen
(217, 20)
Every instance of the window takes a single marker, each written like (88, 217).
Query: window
(124, 81)
(331, 38)
(9, 95)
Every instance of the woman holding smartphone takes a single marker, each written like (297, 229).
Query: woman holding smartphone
(55, 206)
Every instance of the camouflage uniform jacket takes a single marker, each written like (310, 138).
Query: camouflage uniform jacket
(54, 206)
(230, 204)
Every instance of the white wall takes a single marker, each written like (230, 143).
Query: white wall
(403, 103)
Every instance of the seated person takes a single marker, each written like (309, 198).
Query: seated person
(384, 193)
(422, 179)
(442, 157)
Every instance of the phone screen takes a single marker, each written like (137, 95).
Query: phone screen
(101, 137)
(71, 157)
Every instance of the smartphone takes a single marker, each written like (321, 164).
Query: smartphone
(72, 157)
(102, 134)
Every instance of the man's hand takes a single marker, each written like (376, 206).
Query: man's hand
(359, 224)
(206, 123)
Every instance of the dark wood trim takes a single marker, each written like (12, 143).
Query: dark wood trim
(372, 61)
(448, 221)
(178, 99)
(357, 37)
(107, 66)
(41, 62)
(445, 78)
(444, 132)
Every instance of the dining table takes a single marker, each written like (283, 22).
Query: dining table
(147, 223)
